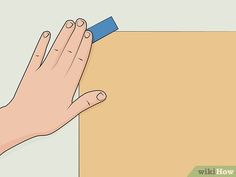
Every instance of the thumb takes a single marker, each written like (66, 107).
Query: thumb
(86, 101)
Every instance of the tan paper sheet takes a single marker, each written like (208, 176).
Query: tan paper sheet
(171, 104)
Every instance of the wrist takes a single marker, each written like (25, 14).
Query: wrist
(11, 133)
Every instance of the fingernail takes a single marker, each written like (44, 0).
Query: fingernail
(80, 22)
(69, 24)
(46, 34)
(101, 96)
(87, 34)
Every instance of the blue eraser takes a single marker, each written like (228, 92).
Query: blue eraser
(103, 28)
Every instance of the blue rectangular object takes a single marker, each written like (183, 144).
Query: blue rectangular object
(103, 28)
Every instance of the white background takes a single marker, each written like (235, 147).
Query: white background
(22, 23)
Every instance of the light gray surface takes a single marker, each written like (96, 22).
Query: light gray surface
(23, 21)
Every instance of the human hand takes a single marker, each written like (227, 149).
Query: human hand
(44, 102)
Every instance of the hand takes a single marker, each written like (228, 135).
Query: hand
(43, 101)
